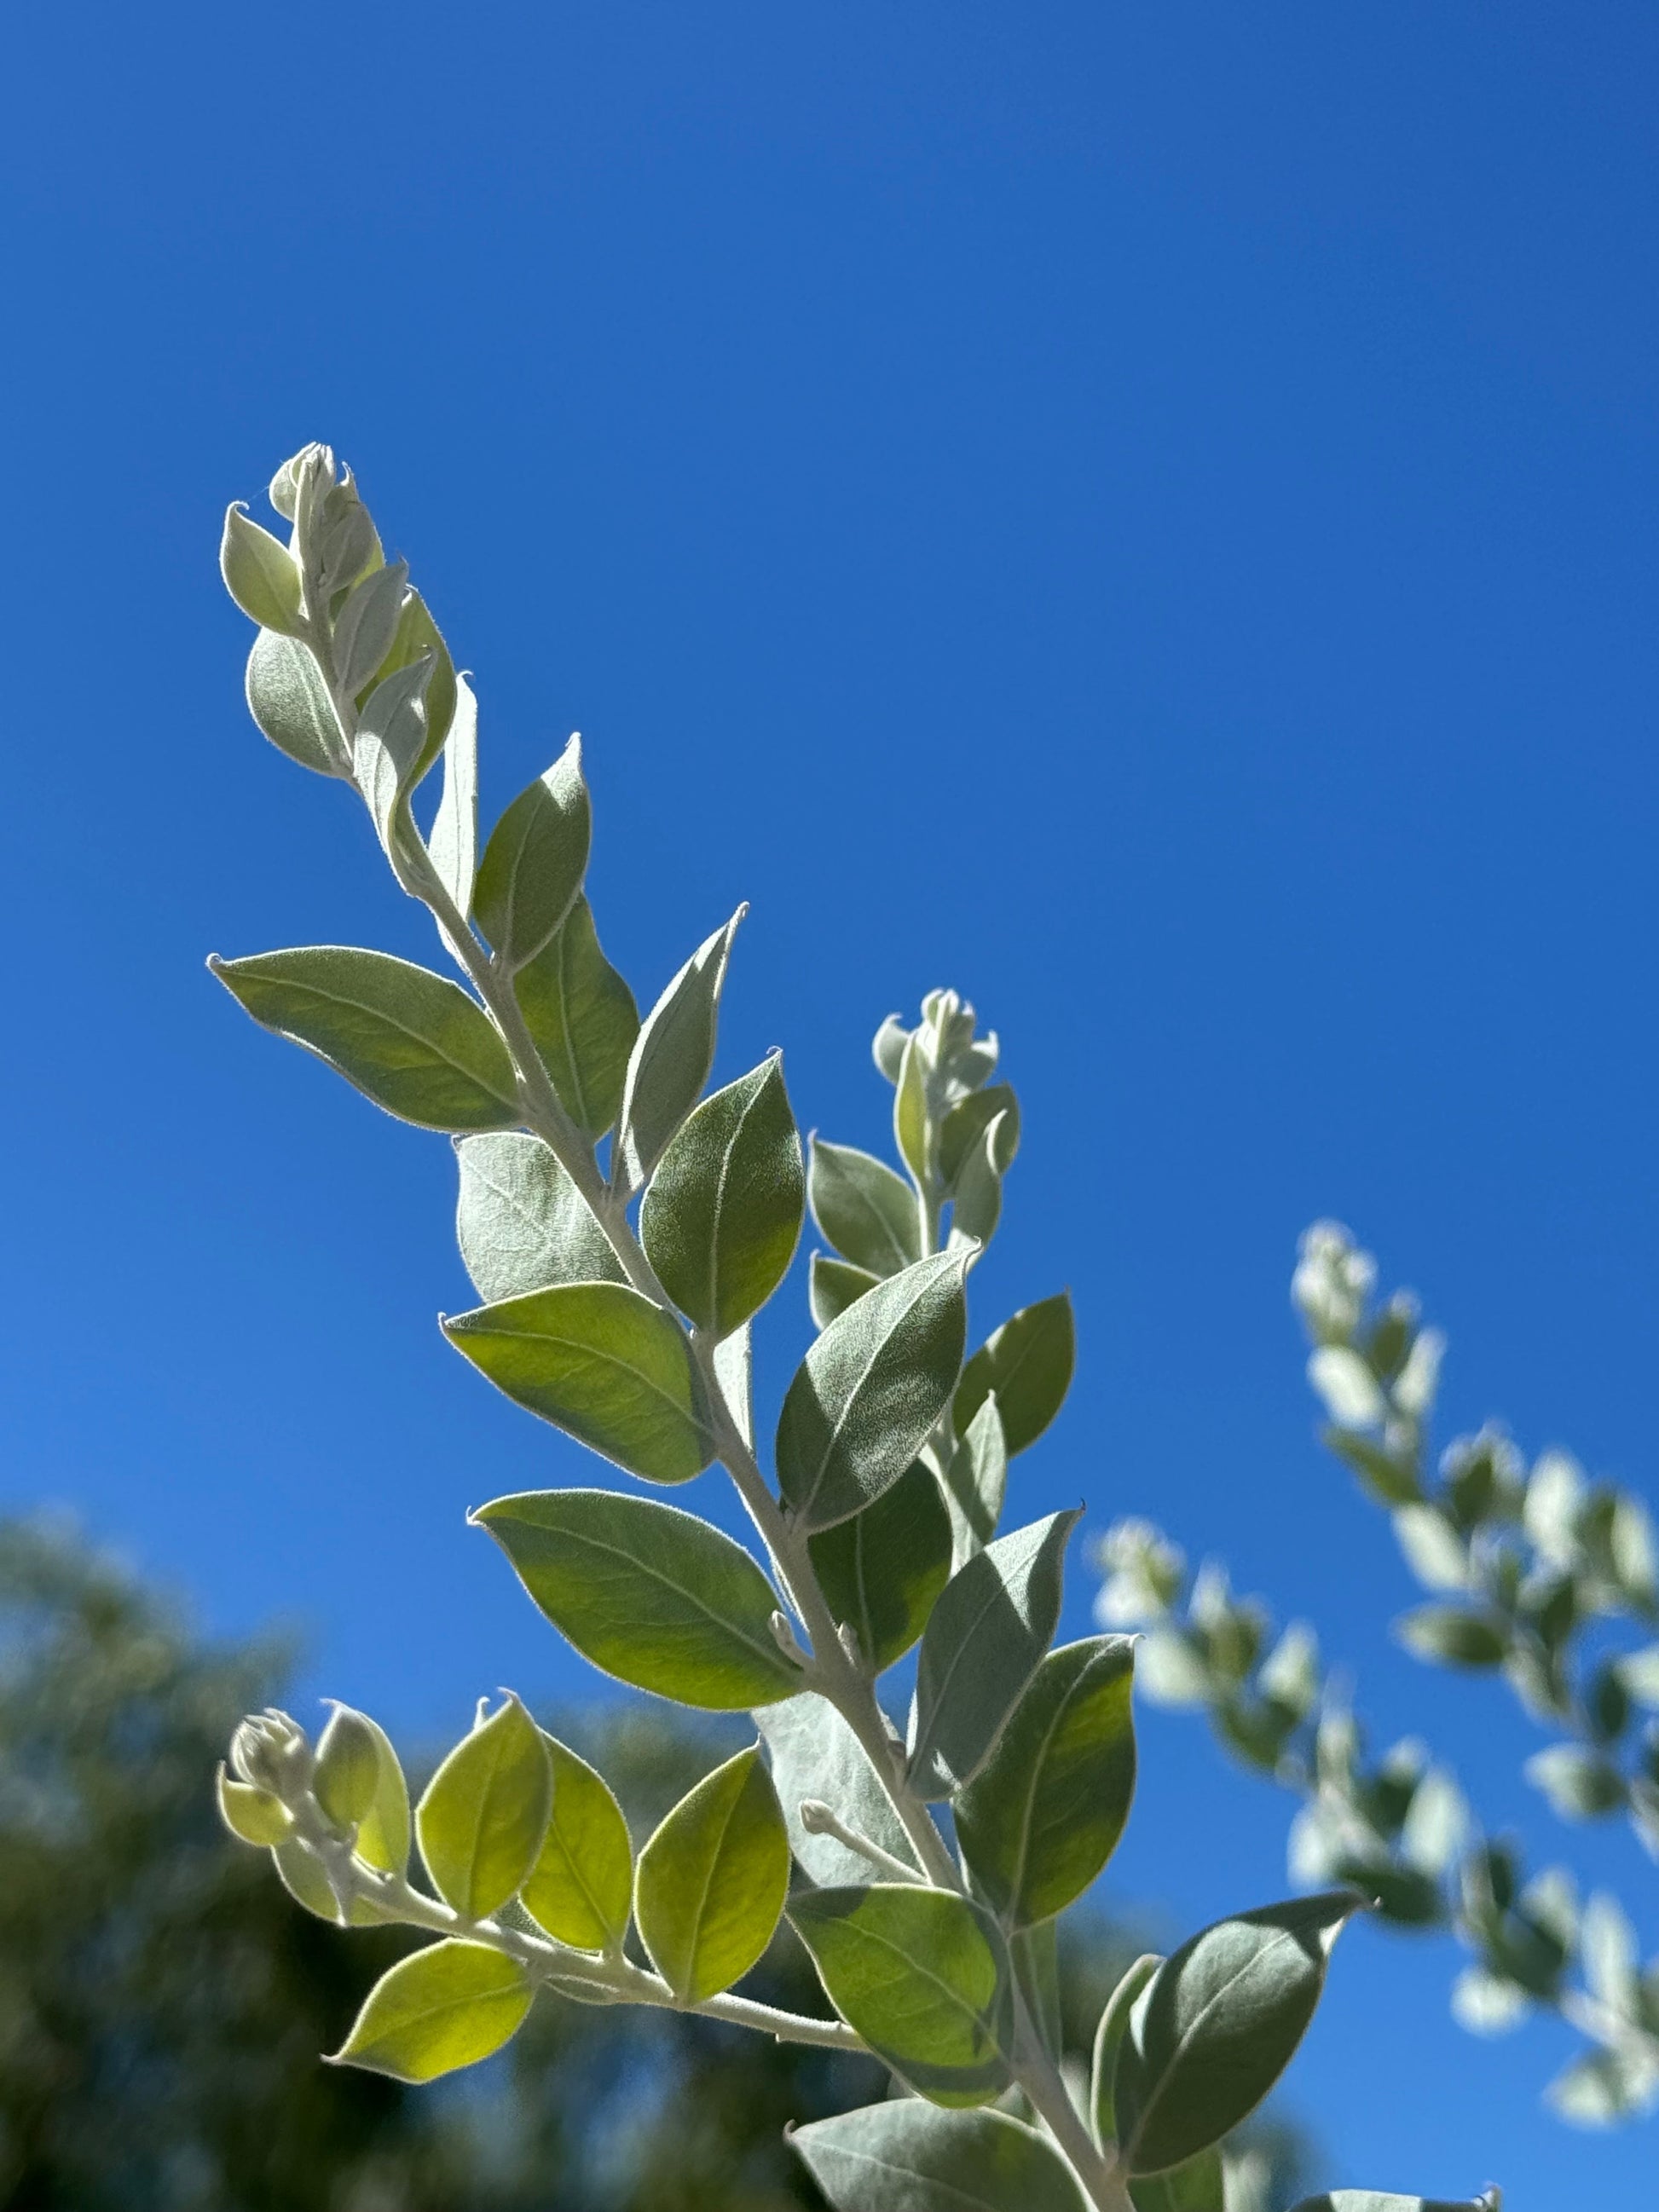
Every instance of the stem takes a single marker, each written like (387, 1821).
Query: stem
(820, 1819)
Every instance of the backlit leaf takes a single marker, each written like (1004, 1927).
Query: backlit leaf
(976, 1479)
(882, 1568)
(453, 843)
(289, 702)
(581, 1887)
(1199, 2185)
(259, 574)
(861, 1208)
(1045, 1814)
(582, 1016)
(445, 2007)
(602, 1363)
(723, 1212)
(1113, 2027)
(833, 1285)
(869, 1391)
(531, 874)
(1216, 2025)
(1028, 1363)
(485, 1811)
(989, 1630)
(411, 1041)
(671, 1059)
(651, 1594)
(814, 1753)
(922, 1975)
(712, 1880)
(359, 1779)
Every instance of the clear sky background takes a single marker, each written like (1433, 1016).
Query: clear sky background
(1143, 512)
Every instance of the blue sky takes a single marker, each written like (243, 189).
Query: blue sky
(1144, 513)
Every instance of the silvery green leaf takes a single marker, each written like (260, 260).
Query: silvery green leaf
(418, 639)
(531, 872)
(963, 1132)
(977, 1206)
(1217, 2024)
(1487, 2003)
(602, 1363)
(723, 1210)
(1605, 2087)
(391, 742)
(583, 1019)
(671, 1059)
(350, 548)
(861, 1208)
(912, 1129)
(1434, 1551)
(651, 1594)
(1607, 1945)
(1436, 1823)
(1045, 1814)
(908, 2157)
(709, 1889)
(923, 1976)
(1112, 2027)
(881, 1570)
(1580, 1783)
(521, 1223)
(988, 1629)
(580, 1889)
(976, 1479)
(866, 1397)
(733, 1359)
(367, 623)
(1352, 1394)
(448, 2006)
(814, 1753)
(453, 843)
(289, 702)
(413, 1042)
(259, 574)
(1028, 1362)
(1290, 1676)
(887, 1047)
(1555, 1498)
(833, 1286)
(1639, 1673)
(1453, 1636)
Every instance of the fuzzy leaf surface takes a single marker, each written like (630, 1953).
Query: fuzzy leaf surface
(290, 705)
(581, 1887)
(908, 2157)
(1028, 1362)
(583, 1019)
(988, 1631)
(722, 1216)
(445, 2007)
(865, 1210)
(484, 1812)
(711, 1884)
(882, 1568)
(1045, 1814)
(923, 1976)
(521, 1223)
(815, 1754)
(531, 874)
(650, 1594)
(411, 1041)
(671, 1057)
(602, 1363)
(868, 1392)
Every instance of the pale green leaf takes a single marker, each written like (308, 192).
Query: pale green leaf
(289, 702)
(832, 1286)
(671, 1059)
(814, 1753)
(651, 1594)
(443, 2008)
(453, 843)
(711, 1883)
(723, 1212)
(1453, 1636)
(485, 1811)
(601, 1362)
(259, 574)
(253, 1815)
(1028, 1363)
(417, 636)
(390, 741)
(976, 1479)
(881, 1570)
(908, 2157)
(532, 867)
(989, 1630)
(963, 1131)
(582, 1018)
(1217, 2026)
(1199, 2185)
(359, 1780)
(1045, 1814)
(580, 1889)
(868, 1392)
(911, 1129)
(861, 1208)
(367, 623)
(521, 1223)
(923, 1977)
(411, 1041)
(1113, 2027)
(303, 1878)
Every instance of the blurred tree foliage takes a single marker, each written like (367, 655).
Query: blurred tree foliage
(162, 2002)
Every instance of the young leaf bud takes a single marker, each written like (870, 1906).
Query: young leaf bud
(270, 1750)
(259, 574)
(254, 1816)
(347, 1767)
